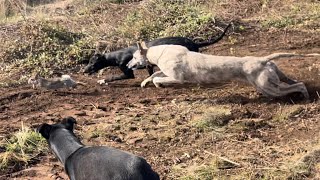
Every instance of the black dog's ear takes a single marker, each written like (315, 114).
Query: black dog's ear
(44, 130)
(99, 55)
(69, 122)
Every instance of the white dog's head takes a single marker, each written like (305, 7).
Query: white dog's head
(139, 59)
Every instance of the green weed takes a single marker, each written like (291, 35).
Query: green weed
(44, 47)
(21, 147)
(287, 112)
(166, 18)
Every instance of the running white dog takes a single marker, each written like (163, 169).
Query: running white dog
(179, 65)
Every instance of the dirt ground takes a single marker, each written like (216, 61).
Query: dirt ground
(158, 124)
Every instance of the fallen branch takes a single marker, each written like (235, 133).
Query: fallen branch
(227, 163)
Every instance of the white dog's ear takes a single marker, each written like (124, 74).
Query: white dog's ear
(142, 47)
(139, 46)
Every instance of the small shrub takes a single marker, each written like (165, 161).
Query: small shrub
(21, 147)
(167, 18)
(281, 22)
(287, 112)
(96, 133)
(43, 47)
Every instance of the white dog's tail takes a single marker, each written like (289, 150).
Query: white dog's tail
(281, 55)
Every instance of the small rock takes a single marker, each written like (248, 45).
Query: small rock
(145, 101)
(102, 108)
(115, 138)
(116, 127)
(100, 115)
(179, 122)
(132, 128)
(81, 113)
(135, 140)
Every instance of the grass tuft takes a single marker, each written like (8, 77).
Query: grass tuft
(287, 112)
(193, 172)
(21, 147)
(214, 116)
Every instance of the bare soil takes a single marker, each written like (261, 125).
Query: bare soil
(158, 123)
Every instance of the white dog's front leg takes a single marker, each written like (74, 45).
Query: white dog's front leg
(149, 79)
(157, 81)
(145, 82)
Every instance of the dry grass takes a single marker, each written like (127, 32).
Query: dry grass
(288, 112)
(23, 146)
(269, 13)
(213, 117)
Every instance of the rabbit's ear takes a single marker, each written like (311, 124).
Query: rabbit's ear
(36, 75)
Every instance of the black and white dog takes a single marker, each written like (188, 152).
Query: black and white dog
(97, 162)
(121, 57)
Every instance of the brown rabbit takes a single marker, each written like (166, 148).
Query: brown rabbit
(65, 81)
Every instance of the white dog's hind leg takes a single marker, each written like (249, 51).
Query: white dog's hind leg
(298, 87)
(285, 89)
(157, 81)
(149, 79)
(281, 75)
(269, 84)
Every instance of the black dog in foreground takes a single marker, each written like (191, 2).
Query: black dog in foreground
(97, 162)
(121, 57)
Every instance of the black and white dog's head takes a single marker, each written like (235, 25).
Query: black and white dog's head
(46, 130)
(96, 63)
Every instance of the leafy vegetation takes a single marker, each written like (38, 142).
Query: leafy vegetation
(176, 19)
(43, 47)
(46, 46)
(21, 147)
(287, 112)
